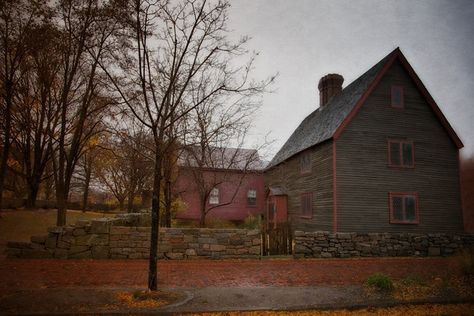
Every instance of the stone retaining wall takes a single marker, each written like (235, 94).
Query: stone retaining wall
(344, 245)
(103, 239)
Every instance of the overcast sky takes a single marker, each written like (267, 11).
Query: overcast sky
(304, 40)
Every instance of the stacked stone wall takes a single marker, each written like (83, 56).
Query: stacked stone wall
(344, 245)
(103, 239)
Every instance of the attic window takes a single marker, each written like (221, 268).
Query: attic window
(404, 208)
(305, 162)
(397, 99)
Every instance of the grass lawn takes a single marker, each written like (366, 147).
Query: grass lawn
(20, 225)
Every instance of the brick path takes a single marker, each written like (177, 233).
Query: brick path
(43, 273)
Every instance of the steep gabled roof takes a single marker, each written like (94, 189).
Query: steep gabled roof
(330, 120)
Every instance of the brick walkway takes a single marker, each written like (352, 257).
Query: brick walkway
(39, 273)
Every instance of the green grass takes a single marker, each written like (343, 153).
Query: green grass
(20, 225)
(380, 281)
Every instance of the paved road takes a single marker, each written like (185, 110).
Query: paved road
(50, 273)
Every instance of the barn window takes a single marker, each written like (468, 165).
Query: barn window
(252, 197)
(397, 99)
(305, 162)
(307, 205)
(401, 154)
(214, 196)
(404, 208)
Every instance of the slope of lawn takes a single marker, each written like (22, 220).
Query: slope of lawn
(19, 225)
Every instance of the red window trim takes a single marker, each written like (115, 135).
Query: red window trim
(310, 194)
(401, 142)
(309, 170)
(402, 97)
(403, 195)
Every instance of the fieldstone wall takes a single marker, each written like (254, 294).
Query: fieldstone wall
(103, 239)
(344, 245)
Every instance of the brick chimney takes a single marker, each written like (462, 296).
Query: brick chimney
(329, 86)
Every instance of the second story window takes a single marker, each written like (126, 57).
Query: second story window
(252, 197)
(397, 98)
(214, 196)
(305, 162)
(401, 154)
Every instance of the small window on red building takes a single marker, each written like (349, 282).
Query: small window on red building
(252, 197)
(401, 154)
(404, 208)
(214, 196)
(307, 204)
(397, 98)
(305, 162)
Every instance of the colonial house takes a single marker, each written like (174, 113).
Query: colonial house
(376, 156)
(224, 183)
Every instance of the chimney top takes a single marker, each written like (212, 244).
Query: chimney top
(329, 86)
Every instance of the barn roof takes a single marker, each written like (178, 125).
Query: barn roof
(329, 120)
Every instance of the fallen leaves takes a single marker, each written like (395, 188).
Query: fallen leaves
(146, 299)
(415, 310)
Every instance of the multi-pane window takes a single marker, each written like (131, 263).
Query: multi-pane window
(397, 97)
(305, 162)
(252, 197)
(400, 153)
(214, 196)
(404, 208)
(307, 204)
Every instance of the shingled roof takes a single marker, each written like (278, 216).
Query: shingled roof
(324, 122)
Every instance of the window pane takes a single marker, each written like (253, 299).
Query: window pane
(214, 196)
(397, 208)
(407, 154)
(410, 208)
(252, 197)
(305, 162)
(394, 154)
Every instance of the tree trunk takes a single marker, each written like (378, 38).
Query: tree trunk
(122, 205)
(6, 141)
(131, 197)
(168, 202)
(61, 201)
(33, 188)
(202, 218)
(85, 195)
(155, 225)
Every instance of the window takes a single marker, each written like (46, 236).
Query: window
(404, 208)
(397, 99)
(214, 196)
(252, 197)
(401, 154)
(307, 205)
(305, 162)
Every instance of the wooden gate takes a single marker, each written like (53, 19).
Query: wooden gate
(277, 239)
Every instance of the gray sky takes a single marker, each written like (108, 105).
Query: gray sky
(304, 40)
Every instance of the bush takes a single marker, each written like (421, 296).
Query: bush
(412, 279)
(380, 281)
(219, 223)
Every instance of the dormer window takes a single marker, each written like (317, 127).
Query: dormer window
(397, 98)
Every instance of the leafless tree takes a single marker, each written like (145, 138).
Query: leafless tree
(85, 27)
(166, 50)
(17, 18)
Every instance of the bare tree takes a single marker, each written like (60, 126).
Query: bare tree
(166, 48)
(85, 27)
(17, 18)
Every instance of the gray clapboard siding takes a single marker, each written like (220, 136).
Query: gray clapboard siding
(364, 178)
(287, 176)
